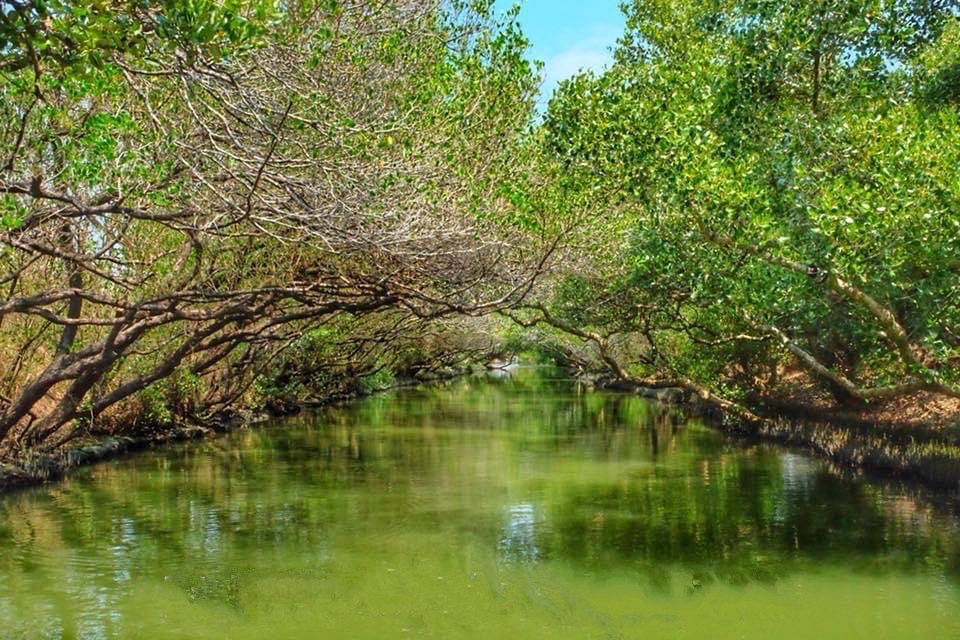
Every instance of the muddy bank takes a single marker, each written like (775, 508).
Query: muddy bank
(42, 468)
(913, 451)
(48, 467)
(910, 450)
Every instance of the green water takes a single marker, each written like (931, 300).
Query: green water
(513, 508)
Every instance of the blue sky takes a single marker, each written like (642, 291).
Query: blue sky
(568, 35)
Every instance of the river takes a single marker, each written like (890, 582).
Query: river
(514, 507)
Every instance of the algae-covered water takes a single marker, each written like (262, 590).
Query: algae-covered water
(508, 508)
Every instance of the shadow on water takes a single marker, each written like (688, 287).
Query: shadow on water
(521, 497)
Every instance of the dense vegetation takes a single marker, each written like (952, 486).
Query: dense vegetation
(775, 188)
(210, 203)
(204, 200)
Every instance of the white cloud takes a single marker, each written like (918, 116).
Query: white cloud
(592, 52)
(569, 62)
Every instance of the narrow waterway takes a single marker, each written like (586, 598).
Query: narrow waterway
(487, 508)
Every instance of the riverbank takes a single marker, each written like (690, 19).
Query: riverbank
(100, 447)
(909, 449)
(43, 468)
(904, 449)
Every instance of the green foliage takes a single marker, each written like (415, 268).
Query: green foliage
(12, 213)
(175, 396)
(258, 191)
(305, 367)
(154, 405)
(83, 36)
(382, 378)
(741, 137)
(938, 76)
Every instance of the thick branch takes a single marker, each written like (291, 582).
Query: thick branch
(890, 327)
(876, 393)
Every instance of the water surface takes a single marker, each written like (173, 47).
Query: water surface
(515, 508)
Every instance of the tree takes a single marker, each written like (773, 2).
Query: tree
(790, 189)
(191, 187)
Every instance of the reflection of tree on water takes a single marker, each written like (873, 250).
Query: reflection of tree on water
(753, 512)
(603, 481)
(798, 475)
(518, 543)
